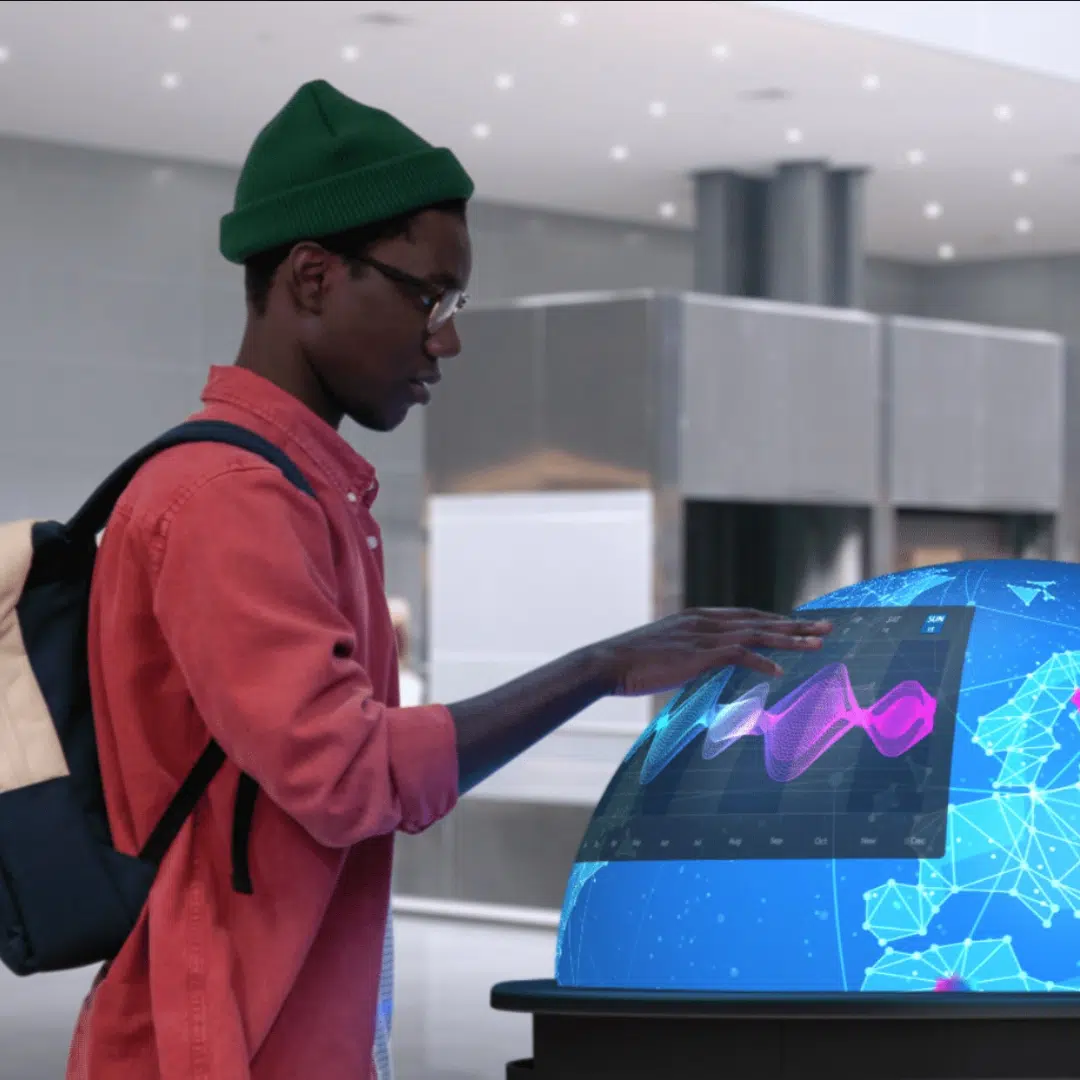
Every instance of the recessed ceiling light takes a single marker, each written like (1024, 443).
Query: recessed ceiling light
(179, 23)
(569, 18)
(619, 153)
(1003, 113)
(657, 110)
(720, 51)
(1019, 177)
(386, 20)
(481, 131)
(793, 135)
(667, 209)
(505, 81)
(766, 95)
(933, 210)
(871, 82)
(1023, 225)
(170, 80)
(5, 54)
(350, 54)
(916, 157)
(946, 252)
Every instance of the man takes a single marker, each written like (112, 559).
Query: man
(228, 603)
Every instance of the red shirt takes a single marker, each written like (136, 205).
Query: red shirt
(227, 603)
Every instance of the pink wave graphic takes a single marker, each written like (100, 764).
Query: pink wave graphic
(800, 727)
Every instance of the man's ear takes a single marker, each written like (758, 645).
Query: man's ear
(307, 272)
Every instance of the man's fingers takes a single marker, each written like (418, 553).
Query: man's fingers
(786, 628)
(744, 657)
(740, 648)
(790, 642)
(730, 615)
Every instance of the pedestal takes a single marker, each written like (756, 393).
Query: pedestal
(620, 1035)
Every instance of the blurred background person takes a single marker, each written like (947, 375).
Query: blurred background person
(409, 680)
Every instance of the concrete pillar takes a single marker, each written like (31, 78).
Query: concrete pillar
(797, 232)
(729, 250)
(796, 236)
(846, 237)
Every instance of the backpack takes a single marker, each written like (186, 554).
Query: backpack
(68, 898)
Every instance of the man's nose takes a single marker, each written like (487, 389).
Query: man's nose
(445, 342)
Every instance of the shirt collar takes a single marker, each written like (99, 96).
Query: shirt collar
(249, 392)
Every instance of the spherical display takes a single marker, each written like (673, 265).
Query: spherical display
(897, 812)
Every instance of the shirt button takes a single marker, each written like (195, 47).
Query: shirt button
(351, 496)
(373, 542)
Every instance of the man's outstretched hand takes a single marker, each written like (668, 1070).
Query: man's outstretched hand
(493, 728)
(665, 654)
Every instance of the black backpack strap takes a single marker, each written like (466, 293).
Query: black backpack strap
(183, 803)
(87, 523)
(94, 514)
(243, 812)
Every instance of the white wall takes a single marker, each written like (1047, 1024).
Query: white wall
(516, 580)
(1038, 35)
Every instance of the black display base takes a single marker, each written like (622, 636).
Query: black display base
(620, 1035)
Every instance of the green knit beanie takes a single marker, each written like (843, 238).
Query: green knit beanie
(326, 164)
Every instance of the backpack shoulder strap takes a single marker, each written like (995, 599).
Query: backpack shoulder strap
(88, 522)
(94, 514)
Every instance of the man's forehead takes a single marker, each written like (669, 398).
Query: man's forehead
(441, 242)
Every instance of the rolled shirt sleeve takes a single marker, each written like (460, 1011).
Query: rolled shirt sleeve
(245, 593)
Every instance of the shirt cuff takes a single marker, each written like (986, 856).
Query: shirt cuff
(424, 762)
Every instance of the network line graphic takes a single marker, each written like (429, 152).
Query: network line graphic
(800, 727)
(1021, 841)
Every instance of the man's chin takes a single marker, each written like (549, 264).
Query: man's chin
(382, 421)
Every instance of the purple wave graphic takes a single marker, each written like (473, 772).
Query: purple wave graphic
(800, 727)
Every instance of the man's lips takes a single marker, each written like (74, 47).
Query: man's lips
(421, 387)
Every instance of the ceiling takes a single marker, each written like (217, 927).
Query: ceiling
(969, 159)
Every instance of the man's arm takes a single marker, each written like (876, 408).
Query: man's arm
(245, 595)
(494, 728)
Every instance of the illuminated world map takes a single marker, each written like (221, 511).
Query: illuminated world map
(998, 911)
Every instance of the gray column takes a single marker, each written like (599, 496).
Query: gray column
(797, 231)
(729, 250)
(846, 233)
(797, 236)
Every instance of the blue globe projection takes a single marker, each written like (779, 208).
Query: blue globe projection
(897, 812)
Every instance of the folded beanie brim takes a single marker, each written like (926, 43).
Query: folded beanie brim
(364, 196)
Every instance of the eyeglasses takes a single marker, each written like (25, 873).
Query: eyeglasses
(441, 303)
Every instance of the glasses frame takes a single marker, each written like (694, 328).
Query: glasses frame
(441, 302)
